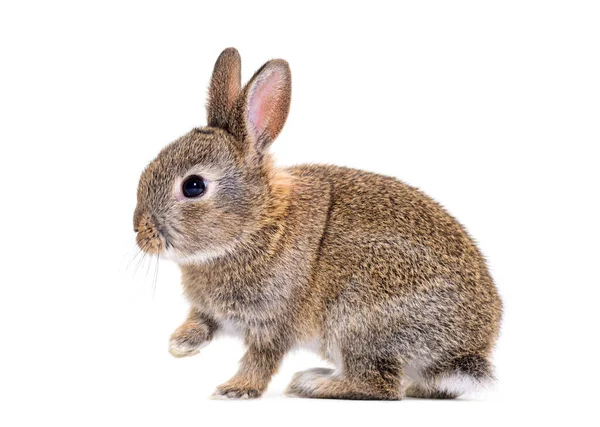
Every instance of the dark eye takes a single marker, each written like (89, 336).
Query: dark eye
(193, 186)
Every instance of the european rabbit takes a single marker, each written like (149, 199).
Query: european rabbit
(389, 286)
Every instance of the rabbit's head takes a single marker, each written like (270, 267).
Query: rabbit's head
(210, 189)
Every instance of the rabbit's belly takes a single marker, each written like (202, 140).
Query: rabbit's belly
(329, 350)
(312, 345)
(230, 328)
(241, 327)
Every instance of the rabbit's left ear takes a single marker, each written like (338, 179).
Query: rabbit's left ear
(225, 87)
(263, 106)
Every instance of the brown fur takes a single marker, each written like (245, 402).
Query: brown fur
(392, 287)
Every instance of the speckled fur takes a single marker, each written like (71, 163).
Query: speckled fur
(390, 285)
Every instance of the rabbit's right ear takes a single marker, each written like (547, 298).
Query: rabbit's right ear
(262, 108)
(225, 87)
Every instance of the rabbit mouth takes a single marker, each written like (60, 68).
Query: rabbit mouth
(195, 258)
(167, 242)
(150, 241)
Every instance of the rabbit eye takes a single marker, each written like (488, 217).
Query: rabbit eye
(193, 186)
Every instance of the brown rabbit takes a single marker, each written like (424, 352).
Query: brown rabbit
(377, 276)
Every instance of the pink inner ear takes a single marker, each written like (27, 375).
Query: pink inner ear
(262, 102)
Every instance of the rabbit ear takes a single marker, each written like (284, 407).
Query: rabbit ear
(263, 106)
(225, 87)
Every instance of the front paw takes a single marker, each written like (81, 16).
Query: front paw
(233, 391)
(188, 339)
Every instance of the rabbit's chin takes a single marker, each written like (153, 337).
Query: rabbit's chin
(194, 258)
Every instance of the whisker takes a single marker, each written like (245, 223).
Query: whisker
(141, 260)
(148, 268)
(137, 253)
(155, 275)
(128, 253)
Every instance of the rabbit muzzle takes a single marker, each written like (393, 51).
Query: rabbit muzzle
(149, 239)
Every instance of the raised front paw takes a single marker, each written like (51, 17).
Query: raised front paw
(232, 390)
(188, 339)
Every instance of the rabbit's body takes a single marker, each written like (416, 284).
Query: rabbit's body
(370, 272)
(363, 265)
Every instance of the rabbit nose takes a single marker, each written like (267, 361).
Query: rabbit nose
(142, 222)
(137, 218)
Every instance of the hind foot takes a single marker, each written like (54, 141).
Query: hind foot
(305, 383)
(417, 391)
(322, 383)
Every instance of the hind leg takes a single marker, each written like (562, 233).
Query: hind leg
(363, 378)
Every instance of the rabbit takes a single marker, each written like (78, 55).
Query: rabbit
(369, 272)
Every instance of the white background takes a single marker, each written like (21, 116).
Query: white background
(490, 107)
